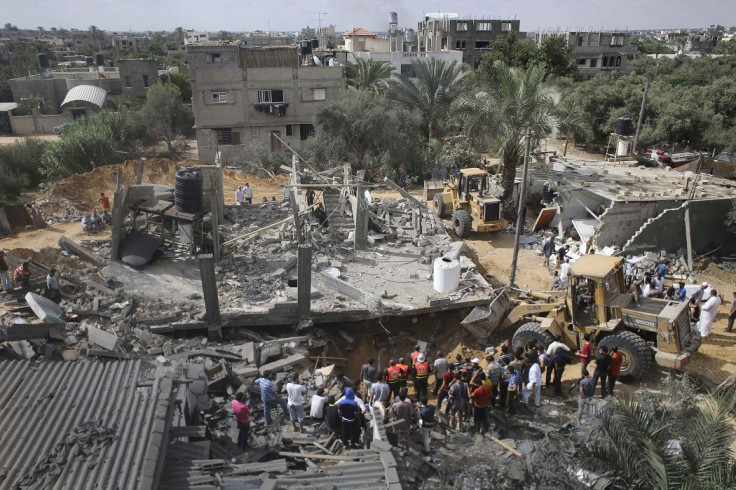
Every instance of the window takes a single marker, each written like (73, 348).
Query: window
(461, 43)
(145, 80)
(320, 94)
(127, 81)
(483, 26)
(462, 26)
(289, 130)
(305, 131)
(219, 97)
(593, 62)
(581, 62)
(605, 62)
(505, 26)
(255, 132)
(618, 61)
(408, 70)
(215, 58)
(482, 44)
(226, 136)
(267, 96)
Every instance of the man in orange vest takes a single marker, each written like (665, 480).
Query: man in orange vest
(421, 368)
(404, 371)
(393, 375)
(415, 354)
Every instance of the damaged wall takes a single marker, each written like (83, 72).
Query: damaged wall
(573, 205)
(623, 219)
(667, 230)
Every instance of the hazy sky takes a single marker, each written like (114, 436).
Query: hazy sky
(289, 15)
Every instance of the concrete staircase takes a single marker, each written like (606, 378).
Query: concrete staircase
(337, 218)
(631, 241)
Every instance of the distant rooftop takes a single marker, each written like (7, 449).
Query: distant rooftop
(358, 31)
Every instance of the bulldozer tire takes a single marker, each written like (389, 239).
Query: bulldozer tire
(439, 205)
(637, 355)
(529, 335)
(462, 223)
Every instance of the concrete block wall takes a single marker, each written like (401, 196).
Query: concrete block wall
(622, 219)
(22, 125)
(667, 230)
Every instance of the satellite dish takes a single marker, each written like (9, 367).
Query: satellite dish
(688, 176)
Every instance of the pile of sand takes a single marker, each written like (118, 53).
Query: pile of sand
(83, 190)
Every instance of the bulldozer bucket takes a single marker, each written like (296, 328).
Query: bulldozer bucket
(483, 320)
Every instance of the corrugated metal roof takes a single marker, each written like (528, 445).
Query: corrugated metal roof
(7, 106)
(61, 414)
(86, 93)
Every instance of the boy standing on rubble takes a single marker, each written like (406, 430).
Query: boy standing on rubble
(512, 389)
(242, 417)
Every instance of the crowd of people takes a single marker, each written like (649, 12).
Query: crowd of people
(466, 391)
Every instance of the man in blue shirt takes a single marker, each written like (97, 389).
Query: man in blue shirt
(681, 293)
(269, 397)
(662, 268)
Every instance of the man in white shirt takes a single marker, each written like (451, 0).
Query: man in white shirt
(658, 285)
(534, 385)
(248, 193)
(239, 196)
(318, 405)
(564, 271)
(708, 312)
(296, 392)
(440, 368)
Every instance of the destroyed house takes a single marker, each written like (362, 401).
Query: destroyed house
(246, 96)
(638, 209)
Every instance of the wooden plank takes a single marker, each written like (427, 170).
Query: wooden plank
(545, 218)
(505, 446)
(81, 252)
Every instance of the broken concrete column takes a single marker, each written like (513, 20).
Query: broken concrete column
(45, 309)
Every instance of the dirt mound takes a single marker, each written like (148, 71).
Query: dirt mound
(83, 190)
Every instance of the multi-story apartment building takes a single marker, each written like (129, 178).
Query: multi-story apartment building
(244, 96)
(448, 32)
(597, 51)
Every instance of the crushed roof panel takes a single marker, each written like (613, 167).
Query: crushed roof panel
(81, 425)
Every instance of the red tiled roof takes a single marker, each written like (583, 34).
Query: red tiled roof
(358, 31)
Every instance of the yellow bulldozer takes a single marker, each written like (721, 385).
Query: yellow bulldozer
(462, 198)
(596, 302)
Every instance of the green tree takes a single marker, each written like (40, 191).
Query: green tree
(641, 446)
(436, 84)
(94, 31)
(503, 111)
(556, 57)
(368, 131)
(370, 75)
(512, 51)
(224, 36)
(179, 35)
(182, 82)
(19, 167)
(165, 113)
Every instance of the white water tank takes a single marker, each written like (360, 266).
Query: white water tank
(446, 275)
(623, 148)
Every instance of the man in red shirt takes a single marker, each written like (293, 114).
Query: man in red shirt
(480, 396)
(22, 275)
(585, 354)
(105, 202)
(242, 416)
(447, 379)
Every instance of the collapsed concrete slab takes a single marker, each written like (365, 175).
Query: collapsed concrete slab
(45, 309)
(281, 364)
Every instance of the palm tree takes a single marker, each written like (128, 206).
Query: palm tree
(369, 75)
(93, 31)
(640, 448)
(504, 110)
(41, 30)
(179, 35)
(436, 84)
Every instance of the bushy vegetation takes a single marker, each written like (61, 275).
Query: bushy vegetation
(20, 166)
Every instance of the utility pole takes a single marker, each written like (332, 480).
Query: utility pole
(520, 214)
(319, 21)
(641, 118)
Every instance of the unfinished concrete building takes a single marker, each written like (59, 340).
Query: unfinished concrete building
(638, 209)
(446, 32)
(597, 51)
(245, 96)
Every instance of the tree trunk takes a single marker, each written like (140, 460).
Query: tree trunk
(508, 174)
(432, 129)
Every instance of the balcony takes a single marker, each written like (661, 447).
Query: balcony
(278, 108)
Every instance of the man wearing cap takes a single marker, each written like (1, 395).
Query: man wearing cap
(708, 313)
(4, 272)
(421, 368)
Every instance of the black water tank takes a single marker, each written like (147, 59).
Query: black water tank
(305, 47)
(99, 59)
(315, 43)
(188, 190)
(43, 60)
(623, 126)
(89, 61)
